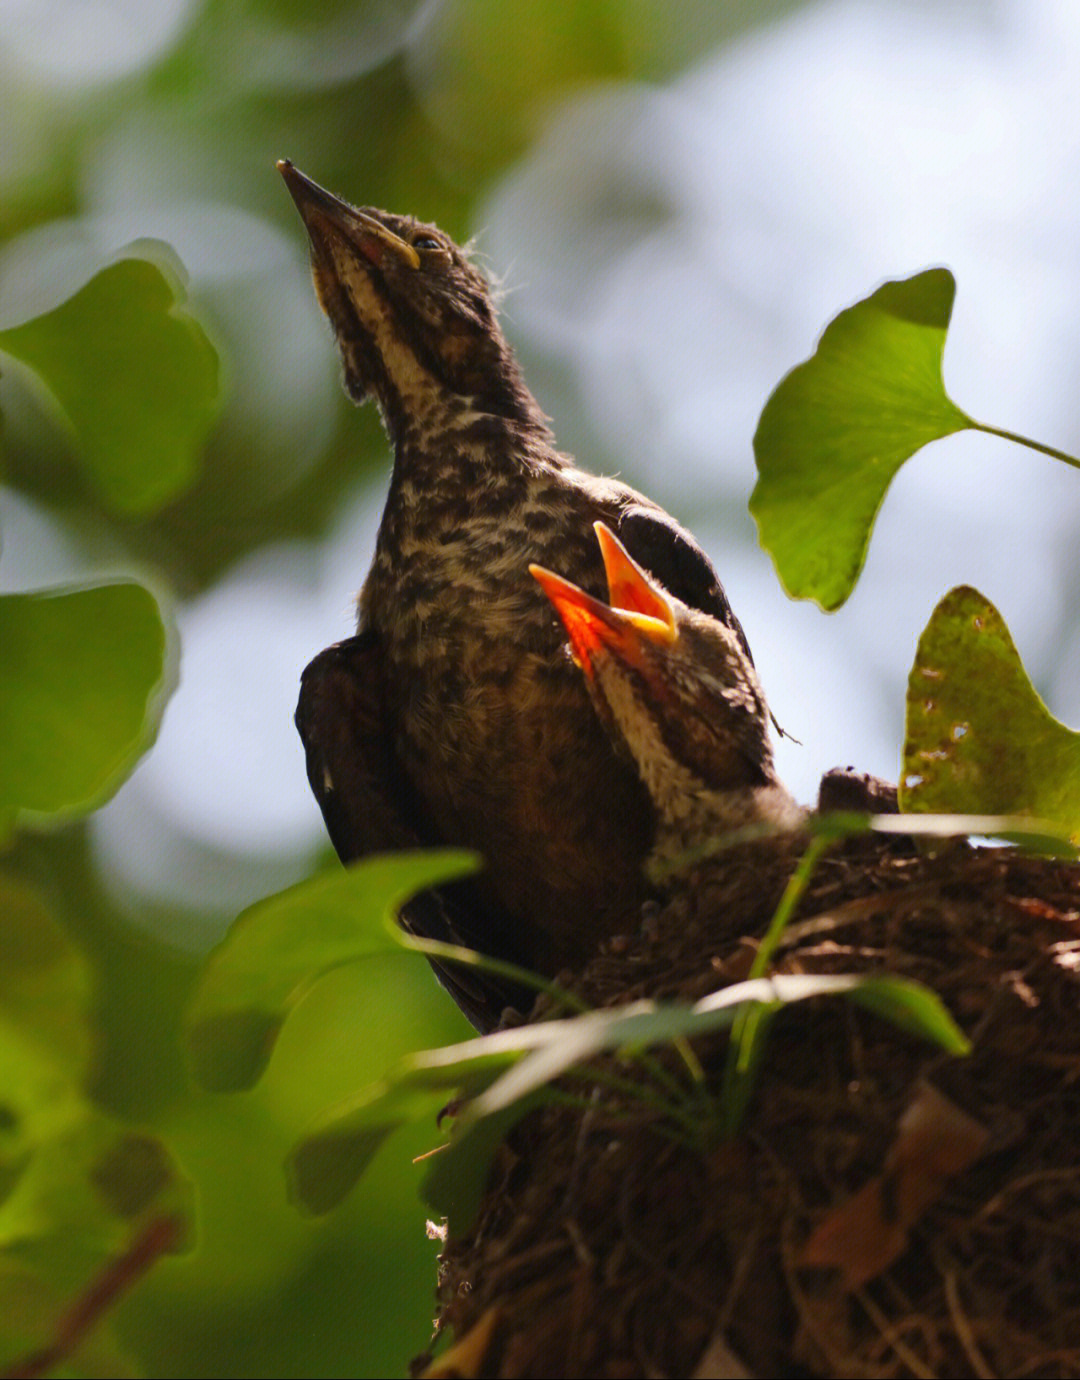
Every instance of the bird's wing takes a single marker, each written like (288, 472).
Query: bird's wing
(350, 758)
(668, 551)
(369, 806)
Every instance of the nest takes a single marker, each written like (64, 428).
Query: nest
(885, 1210)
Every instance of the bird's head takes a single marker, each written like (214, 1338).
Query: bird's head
(415, 320)
(673, 685)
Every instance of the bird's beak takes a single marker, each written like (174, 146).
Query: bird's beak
(325, 213)
(631, 590)
(590, 625)
(594, 628)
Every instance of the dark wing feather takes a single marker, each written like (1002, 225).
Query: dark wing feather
(668, 551)
(369, 807)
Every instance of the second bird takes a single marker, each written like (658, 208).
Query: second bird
(454, 715)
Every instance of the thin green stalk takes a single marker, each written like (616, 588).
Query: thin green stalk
(469, 958)
(753, 1020)
(1052, 451)
(797, 883)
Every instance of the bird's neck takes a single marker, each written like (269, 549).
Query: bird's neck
(443, 437)
(426, 405)
(704, 816)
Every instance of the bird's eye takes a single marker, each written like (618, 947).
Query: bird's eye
(426, 242)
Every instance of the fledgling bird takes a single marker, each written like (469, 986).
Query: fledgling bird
(453, 717)
(676, 688)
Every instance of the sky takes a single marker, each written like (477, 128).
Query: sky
(670, 253)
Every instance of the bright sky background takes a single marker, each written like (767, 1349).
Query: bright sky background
(797, 170)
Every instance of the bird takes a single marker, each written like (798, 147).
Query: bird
(452, 715)
(676, 688)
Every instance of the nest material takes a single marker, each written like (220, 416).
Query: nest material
(885, 1210)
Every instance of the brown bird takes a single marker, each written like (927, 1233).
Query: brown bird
(676, 687)
(453, 716)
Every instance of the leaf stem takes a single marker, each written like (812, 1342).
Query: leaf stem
(797, 883)
(469, 958)
(1052, 451)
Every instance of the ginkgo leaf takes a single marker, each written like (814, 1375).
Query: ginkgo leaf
(501, 1075)
(278, 947)
(839, 426)
(978, 738)
(81, 691)
(133, 374)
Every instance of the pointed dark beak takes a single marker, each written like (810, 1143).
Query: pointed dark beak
(323, 212)
(308, 195)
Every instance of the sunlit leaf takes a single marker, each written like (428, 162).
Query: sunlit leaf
(134, 375)
(278, 947)
(644, 1024)
(79, 676)
(837, 429)
(978, 738)
(1034, 835)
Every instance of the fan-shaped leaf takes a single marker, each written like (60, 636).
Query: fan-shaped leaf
(839, 426)
(979, 739)
(134, 375)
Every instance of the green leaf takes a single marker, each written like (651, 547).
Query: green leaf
(87, 1184)
(454, 1183)
(1033, 836)
(978, 737)
(45, 1031)
(278, 947)
(839, 426)
(31, 1310)
(45, 981)
(134, 375)
(79, 676)
(73, 1180)
(336, 1149)
(913, 1008)
(328, 1160)
(503, 1075)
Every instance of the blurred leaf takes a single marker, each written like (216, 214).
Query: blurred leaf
(278, 947)
(457, 1176)
(1032, 835)
(978, 737)
(325, 1164)
(839, 426)
(77, 677)
(913, 1008)
(512, 1066)
(338, 1146)
(88, 1183)
(73, 1180)
(45, 981)
(644, 1024)
(135, 376)
(29, 1309)
(45, 1031)
(83, 1178)
(472, 62)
